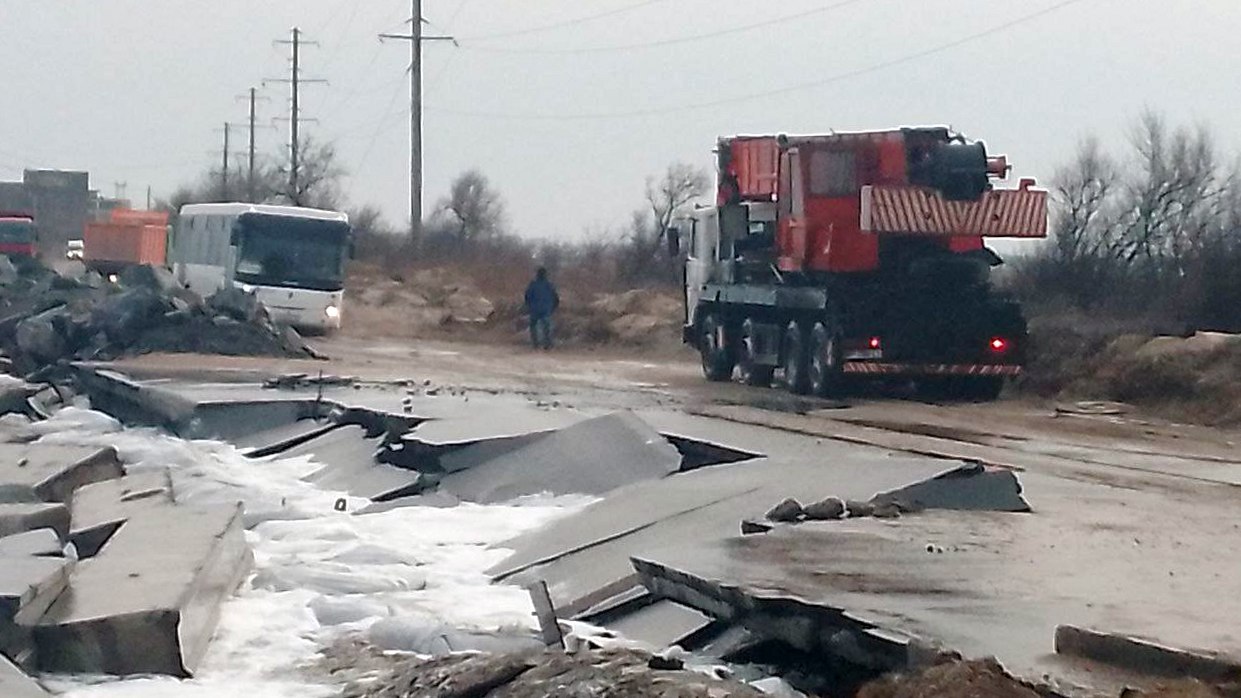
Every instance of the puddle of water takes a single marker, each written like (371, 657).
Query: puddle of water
(320, 574)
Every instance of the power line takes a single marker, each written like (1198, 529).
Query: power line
(797, 87)
(659, 43)
(564, 23)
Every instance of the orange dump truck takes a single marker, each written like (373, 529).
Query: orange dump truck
(127, 238)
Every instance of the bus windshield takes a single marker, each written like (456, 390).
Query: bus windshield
(16, 232)
(291, 252)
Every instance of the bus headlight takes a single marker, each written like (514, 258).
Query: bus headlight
(332, 312)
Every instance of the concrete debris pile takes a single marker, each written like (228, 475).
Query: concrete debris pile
(72, 524)
(48, 318)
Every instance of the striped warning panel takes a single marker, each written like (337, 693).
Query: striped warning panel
(877, 369)
(908, 210)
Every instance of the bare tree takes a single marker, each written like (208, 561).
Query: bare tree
(679, 186)
(1084, 193)
(319, 175)
(1172, 194)
(473, 210)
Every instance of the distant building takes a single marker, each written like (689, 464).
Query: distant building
(60, 200)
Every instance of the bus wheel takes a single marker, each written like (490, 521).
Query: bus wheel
(826, 366)
(796, 375)
(750, 371)
(717, 359)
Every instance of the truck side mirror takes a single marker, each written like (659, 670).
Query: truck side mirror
(673, 233)
(234, 236)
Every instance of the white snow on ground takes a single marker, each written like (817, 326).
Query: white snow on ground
(319, 572)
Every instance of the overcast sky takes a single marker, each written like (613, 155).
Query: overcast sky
(134, 90)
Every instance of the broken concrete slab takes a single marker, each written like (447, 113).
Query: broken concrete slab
(30, 516)
(40, 542)
(583, 556)
(1147, 656)
(99, 509)
(270, 442)
(15, 684)
(592, 457)
(348, 455)
(971, 487)
(41, 472)
(149, 603)
(660, 624)
(28, 586)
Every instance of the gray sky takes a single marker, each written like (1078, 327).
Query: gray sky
(132, 90)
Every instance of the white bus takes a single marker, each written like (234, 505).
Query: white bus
(292, 258)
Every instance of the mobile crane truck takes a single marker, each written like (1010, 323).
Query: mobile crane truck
(857, 256)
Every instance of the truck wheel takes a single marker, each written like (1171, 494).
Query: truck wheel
(796, 375)
(826, 366)
(717, 358)
(749, 370)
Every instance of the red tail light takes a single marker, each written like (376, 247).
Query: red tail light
(999, 345)
(875, 343)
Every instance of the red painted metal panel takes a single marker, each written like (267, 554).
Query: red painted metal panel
(756, 163)
(908, 210)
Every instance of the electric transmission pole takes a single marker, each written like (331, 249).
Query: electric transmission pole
(224, 170)
(415, 39)
(295, 80)
(253, 97)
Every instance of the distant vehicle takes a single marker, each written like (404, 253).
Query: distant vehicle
(127, 238)
(292, 258)
(75, 249)
(846, 257)
(18, 235)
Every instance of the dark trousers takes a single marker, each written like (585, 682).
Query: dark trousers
(541, 331)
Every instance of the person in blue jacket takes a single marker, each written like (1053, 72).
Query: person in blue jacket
(541, 303)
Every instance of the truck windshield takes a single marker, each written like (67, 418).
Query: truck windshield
(291, 252)
(16, 232)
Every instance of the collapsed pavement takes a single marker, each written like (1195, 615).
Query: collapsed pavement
(965, 569)
(103, 572)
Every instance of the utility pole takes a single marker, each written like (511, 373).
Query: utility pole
(224, 171)
(415, 39)
(253, 97)
(295, 80)
(226, 163)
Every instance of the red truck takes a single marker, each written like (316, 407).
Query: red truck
(126, 238)
(18, 234)
(848, 256)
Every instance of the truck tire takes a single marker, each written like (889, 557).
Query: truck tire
(796, 359)
(713, 345)
(826, 367)
(749, 370)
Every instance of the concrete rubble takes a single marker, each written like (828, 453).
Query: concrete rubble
(46, 318)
